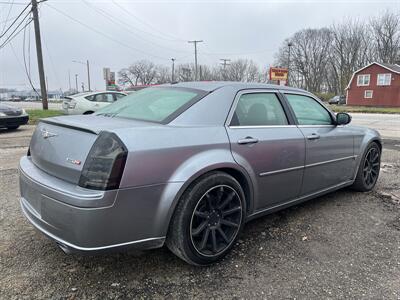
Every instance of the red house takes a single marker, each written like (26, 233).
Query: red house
(377, 84)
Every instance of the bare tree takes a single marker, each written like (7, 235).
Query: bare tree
(386, 36)
(126, 78)
(163, 75)
(349, 51)
(309, 59)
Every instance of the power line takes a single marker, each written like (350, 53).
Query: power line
(25, 67)
(130, 14)
(120, 23)
(105, 35)
(14, 3)
(16, 19)
(11, 36)
(8, 14)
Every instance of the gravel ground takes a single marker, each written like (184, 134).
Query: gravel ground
(342, 245)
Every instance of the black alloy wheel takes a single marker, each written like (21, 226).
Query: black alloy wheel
(216, 220)
(368, 170)
(208, 219)
(371, 167)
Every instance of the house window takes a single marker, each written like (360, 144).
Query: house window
(363, 80)
(368, 94)
(384, 79)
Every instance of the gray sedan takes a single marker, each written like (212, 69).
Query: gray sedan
(187, 165)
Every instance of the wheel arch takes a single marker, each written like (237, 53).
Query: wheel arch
(233, 169)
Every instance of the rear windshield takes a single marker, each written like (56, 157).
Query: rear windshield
(153, 104)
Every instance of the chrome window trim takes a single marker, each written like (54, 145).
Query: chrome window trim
(260, 126)
(254, 91)
(314, 126)
(307, 166)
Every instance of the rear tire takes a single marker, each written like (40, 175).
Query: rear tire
(88, 112)
(12, 127)
(208, 219)
(368, 171)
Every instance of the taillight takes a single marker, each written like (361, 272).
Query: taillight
(105, 163)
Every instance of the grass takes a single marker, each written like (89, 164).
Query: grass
(36, 114)
(365, 109)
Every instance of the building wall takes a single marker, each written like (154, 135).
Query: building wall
(388, 95)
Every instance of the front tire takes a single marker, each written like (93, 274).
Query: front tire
(368, 171)
(208, 219)
(13, 127)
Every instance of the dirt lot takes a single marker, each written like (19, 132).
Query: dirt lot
(343, 245)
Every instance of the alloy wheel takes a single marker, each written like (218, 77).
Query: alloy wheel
(371, 167)
(216, 220)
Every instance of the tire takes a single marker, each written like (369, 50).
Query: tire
(212, 204)
(13, 127)
(368, 171)
(88, 112)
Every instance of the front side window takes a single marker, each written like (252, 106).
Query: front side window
(368, 94)
(152, 104)
(384, 79)
(259, 109)
(363, 80)
(308, 111)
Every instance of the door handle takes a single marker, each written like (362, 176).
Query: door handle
(314, 136)
(247, 140)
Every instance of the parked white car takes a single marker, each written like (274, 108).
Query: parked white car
(89, 102)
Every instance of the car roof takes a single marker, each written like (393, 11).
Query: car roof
(210, 86)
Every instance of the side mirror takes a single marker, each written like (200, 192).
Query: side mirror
(343, 118)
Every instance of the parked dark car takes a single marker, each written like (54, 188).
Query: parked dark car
(187, 165)
(338, 100)
(12, 117)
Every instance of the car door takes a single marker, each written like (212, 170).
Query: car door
(330, 156)
(266, 142)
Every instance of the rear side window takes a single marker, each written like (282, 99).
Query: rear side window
(104, 98)
(308, 111)
(259, 109)
(118, 96)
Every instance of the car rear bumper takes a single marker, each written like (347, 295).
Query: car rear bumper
(11, 121)
(82, 220)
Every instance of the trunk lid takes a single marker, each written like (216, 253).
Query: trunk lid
(60, 145)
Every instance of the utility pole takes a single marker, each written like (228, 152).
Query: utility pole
(76, 83)
(87, 67)
(224, 62)
(290, 44)
(173, 70)
(69, 80)
(195, 56)
(88, 73)
(39, 54)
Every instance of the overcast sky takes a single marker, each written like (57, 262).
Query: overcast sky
(116, 33)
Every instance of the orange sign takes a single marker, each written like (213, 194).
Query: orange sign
(278, 73)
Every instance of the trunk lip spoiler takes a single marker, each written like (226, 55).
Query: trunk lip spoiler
(71, 126)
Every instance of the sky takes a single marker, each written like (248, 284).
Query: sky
(116, 33)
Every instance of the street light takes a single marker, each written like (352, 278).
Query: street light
(290, 44)
(88, 70)
(76, 83)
